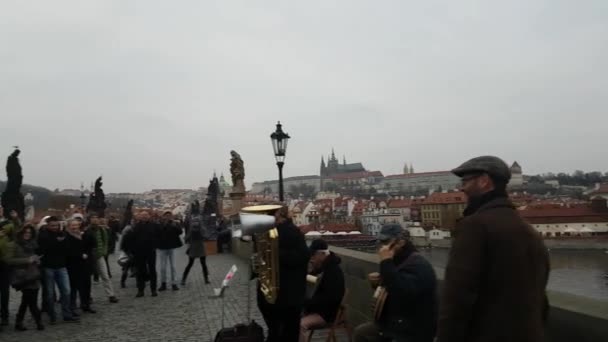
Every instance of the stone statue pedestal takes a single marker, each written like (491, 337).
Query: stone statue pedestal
(232, 206)
(237, 200)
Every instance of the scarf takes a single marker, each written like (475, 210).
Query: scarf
(75, 235)
(477, 202)
(404, 252)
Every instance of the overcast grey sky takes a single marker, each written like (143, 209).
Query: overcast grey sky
(155, 94)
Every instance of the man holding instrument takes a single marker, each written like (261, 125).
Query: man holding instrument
(322, 307)
(408, 279)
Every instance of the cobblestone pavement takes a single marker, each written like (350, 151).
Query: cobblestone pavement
(185, 315)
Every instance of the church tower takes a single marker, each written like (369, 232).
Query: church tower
(322, 172)
(406, 170)
(517, 177)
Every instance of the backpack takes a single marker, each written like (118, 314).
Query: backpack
(196, 227)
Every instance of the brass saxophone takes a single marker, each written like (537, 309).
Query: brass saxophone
(260, 222)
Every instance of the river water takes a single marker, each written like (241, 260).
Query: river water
(583, 273)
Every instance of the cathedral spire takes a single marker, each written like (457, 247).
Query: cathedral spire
(411, 167)
(406, 170)
(344, 159)
(333, 154)
(322, 161)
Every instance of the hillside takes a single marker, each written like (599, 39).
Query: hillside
(41, 195)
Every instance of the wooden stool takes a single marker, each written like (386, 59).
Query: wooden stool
(339, 323)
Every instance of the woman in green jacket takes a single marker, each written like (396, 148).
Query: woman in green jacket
(25, 274)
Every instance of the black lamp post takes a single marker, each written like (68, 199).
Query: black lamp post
(82, 197)
(279, 144)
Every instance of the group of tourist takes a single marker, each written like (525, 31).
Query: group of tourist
(64, 257)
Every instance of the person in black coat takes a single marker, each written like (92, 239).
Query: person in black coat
(169, 240)
(322, 308)
(52, 247)
(411, 306)
(142, 241)
(78, 265)
(283, 317)
(224, 235)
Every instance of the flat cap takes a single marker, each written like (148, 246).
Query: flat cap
(318, 245)
(495, 167)
(391, 231)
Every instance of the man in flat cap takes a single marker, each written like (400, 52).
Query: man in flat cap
(410, 309)
(494, 286)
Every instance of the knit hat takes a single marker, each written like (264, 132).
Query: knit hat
(318, 245)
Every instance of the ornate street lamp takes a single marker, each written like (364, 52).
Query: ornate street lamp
(279, 144)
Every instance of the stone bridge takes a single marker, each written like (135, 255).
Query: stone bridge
(190, 315)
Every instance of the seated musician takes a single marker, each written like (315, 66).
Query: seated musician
(410, 310)
(322, 308)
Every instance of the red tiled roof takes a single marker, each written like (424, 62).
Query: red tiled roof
(400, 203)
(357, 175)
(562, 214)
(446, 198)
(418, 174)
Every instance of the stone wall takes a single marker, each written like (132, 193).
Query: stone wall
(571, 317)
(564, 243)
(577, 243)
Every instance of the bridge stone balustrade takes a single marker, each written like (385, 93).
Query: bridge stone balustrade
(571, 317)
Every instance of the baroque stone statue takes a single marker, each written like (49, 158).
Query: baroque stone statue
(97, 200)
(237, 169)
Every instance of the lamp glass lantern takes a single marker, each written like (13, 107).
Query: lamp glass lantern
(279, 143)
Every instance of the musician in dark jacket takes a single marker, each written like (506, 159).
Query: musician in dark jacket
(410, 309)
(283, 317)
(322, 308)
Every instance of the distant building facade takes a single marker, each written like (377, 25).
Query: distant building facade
(412, 182)
(272, 187)
(443, 209)
(559, 220)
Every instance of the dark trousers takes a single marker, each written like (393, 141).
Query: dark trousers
(4, 290)
(224, 237)
(29, 299)
(146, 270)
(189, 266)
(78, 275)
(125, 274)
(283, 322)
(86, 286)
